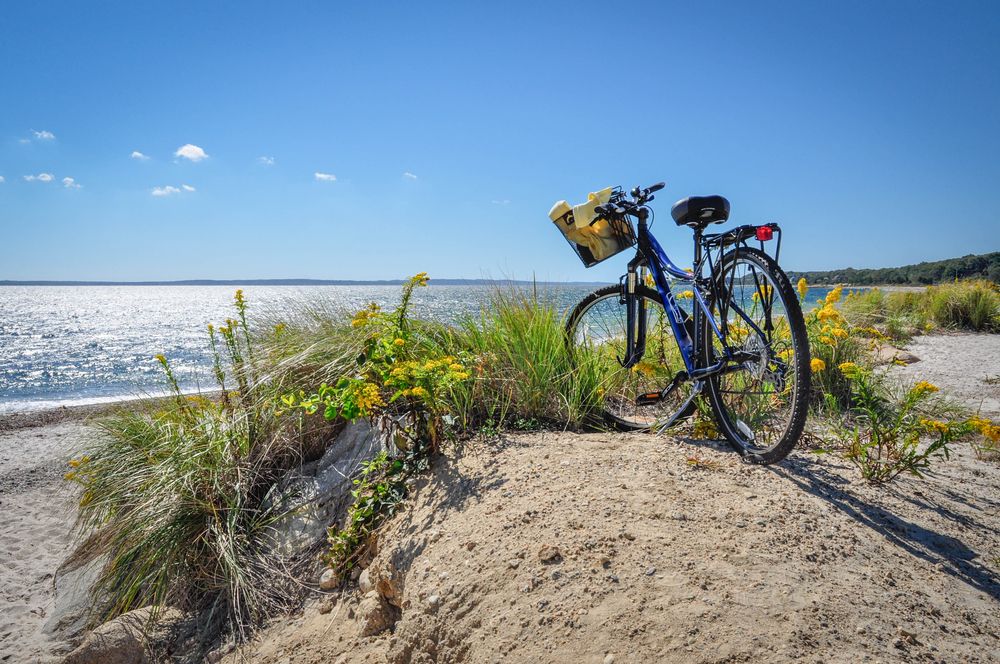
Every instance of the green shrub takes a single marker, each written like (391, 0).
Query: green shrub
(886, 433)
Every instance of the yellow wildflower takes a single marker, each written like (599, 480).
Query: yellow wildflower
(849, 369)
(936, 426)
(645, 369)
(456, 367)
(828, 313)
(461, 375)
(824, 339)
(399, 342)
(803, 288)
(239, 296)
(833, 297)
(786, 354)
(685, 295)
(922, 388)
(839, 332)
(817, 364)
(418, 391)
(161, 359)
(649, 280)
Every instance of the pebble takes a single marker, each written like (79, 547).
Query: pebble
(329, 580)
(651, 571)
(609, 659)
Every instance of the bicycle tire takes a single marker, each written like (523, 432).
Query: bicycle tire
(799, 365)
(615, 412)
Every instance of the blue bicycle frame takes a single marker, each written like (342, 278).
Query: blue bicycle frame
(652, 255)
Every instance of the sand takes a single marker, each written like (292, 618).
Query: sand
(965, 366)
(38, 509)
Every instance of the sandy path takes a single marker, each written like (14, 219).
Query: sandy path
(965, 366)
(38, 509)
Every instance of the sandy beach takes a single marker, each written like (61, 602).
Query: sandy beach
(38, 507)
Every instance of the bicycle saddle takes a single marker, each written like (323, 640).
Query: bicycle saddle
(700, 211)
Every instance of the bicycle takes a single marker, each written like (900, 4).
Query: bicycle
(740, 337)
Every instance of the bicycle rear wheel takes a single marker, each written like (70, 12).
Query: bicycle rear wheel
(596, 332)
(761, 406)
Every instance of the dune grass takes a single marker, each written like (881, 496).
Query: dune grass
(972, 305)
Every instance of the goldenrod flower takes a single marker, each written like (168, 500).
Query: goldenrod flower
(936, 426)
(685, 295)
(824, 339)
(839, 332)
(161, 359)
(803, 288)
(849, 369)
(418, 391)
(833, 297)
(817, 364)
(399, 342)
(922, 388)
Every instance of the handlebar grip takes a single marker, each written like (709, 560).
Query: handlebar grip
(656, 187)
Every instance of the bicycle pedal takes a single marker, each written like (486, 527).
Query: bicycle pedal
(648, 399)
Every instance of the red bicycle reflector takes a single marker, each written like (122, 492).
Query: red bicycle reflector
(765, 233)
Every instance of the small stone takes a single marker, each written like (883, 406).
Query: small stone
(365, 584)
(329, 580)
(470, 545)
(651, 571)
(549, 554)
(609, 659)
(434, 601)
(326, 607)
(514, 564)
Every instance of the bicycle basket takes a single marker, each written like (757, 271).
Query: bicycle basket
(593, 239)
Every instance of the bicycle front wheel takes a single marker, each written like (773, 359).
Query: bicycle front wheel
(760, 403)
(596, 332)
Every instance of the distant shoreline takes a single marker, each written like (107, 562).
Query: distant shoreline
(298, 282)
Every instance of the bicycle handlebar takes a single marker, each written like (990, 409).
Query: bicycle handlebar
(619, 205)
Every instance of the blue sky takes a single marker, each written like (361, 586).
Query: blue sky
(868, 129)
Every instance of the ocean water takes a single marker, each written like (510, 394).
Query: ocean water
(67, 345)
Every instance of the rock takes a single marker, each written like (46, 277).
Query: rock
(124, 639)
(609, 659)
(651, 571)
(549, 554)
(71, 606)
(374, 615)
(313, 496)
(329, 580)
(434, 602)
(365, 584)
(887, 354)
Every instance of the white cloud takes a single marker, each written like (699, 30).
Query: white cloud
(266, 161)
(191, 152)
(165, 191)
(22, 141)
(501, 202)
(71, 183)
(187, 187)
(409, 176)
(43, 135)
(138, 155)
(41, 177)
(325, 177)
(2, 180)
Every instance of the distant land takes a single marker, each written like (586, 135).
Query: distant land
(297, 282)
(982, 266)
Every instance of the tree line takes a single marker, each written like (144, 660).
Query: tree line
(983, 266)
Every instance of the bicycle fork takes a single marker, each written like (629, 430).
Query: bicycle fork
(635, 315)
